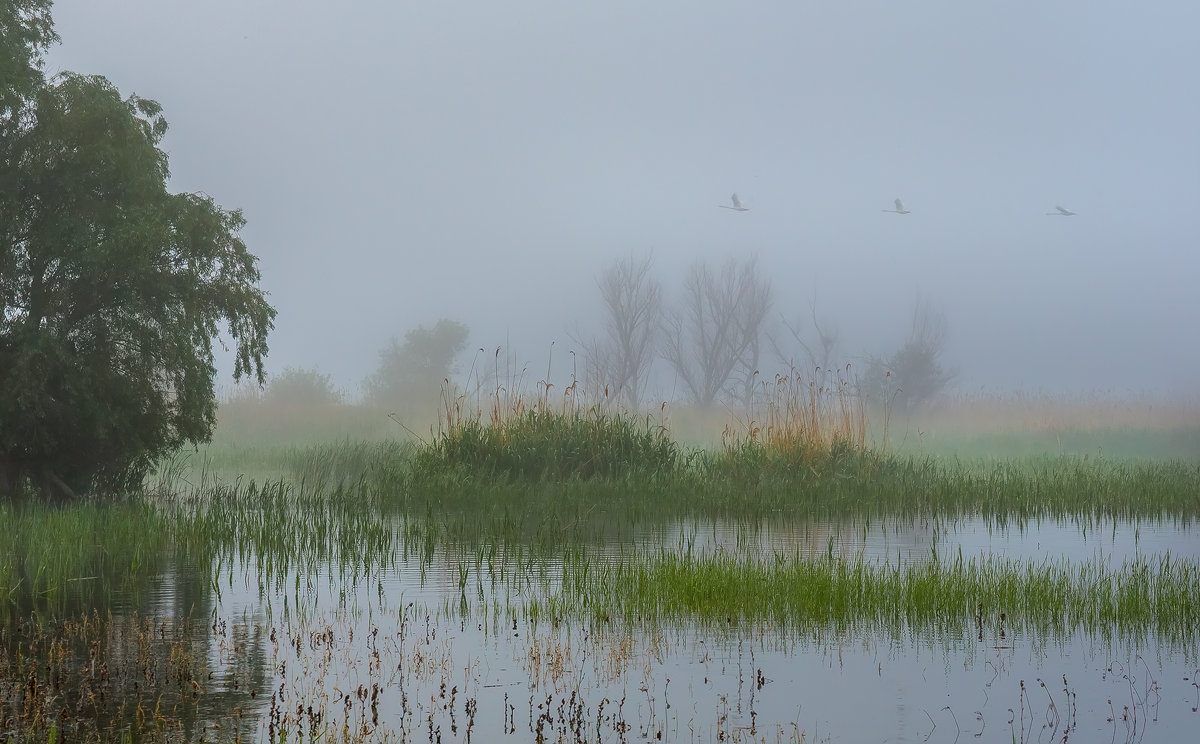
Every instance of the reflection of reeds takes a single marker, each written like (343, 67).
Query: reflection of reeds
(97, 677)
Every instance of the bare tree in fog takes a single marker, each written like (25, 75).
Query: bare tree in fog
(714, 337)
(620, 361)
(913, 374)
(819, 353)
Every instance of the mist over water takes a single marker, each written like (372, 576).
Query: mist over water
(404, 162)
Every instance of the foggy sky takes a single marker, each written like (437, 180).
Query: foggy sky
(399, 162)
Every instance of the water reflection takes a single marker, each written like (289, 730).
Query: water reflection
(433, 676)
(148, 662)
(431, 643)
(900, 541)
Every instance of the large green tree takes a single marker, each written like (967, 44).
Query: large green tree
(25, 32)
(112, 289)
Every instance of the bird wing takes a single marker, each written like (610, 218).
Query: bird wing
(737, 203)
(1064, 211)
(899, 206)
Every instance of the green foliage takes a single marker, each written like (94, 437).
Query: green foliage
(112, 290)
(410, 375)
(25, 32)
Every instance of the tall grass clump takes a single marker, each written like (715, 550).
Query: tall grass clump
(520, 440)
(798, 425)
(78, 556)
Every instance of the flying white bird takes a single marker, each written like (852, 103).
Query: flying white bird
(737, 205)
(899, 208)
(1061, 212)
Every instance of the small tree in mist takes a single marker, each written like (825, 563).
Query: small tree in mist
(713, 338)
(301, 387)
(410, 374)
(913, 373)
(619, 362)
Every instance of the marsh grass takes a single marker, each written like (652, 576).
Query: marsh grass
(752, 481)
(535, 493)
(1114, 443)
(1159, 596)
(79, 556)
(285, 531)
(806, 423)
(513, 438)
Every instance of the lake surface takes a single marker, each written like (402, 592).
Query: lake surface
(430, 645)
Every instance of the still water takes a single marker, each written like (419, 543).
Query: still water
(427, 650)
(431, 647)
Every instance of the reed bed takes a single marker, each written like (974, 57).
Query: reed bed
(1158, 597)
(285, 531)
(516, 439)
(54, 558)
(807, 422)
(1028, 413)
(805, 452)
(753, 481)
(358, 504)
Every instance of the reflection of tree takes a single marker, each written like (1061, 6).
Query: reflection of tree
(230, 658)
(151, 659)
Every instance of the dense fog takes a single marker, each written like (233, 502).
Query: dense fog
(403, 162)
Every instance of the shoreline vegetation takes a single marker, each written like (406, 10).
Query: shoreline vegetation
(551, 477)
(540, 511)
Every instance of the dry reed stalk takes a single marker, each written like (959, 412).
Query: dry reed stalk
(803, 418)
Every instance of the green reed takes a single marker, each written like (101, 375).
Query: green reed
(79, 555)
(754, 481)
(542, 444)
(1058, 598)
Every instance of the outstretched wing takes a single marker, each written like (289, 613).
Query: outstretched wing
(737, 203)
(899, 206)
